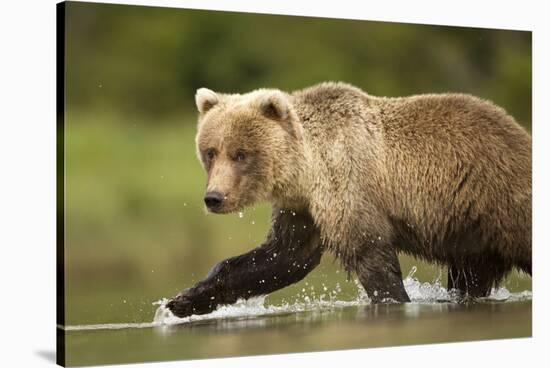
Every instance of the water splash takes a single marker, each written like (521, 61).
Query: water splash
(425, 292)
(307, 300)
(251, 308)
(502, 294)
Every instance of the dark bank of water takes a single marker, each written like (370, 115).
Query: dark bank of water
(331, 327)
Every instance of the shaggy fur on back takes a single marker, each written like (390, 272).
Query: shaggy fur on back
(443, 177)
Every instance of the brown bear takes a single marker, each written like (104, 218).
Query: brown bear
(442, 177)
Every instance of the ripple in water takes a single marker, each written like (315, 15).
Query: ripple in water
(419, 292)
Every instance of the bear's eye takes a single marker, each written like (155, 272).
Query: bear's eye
(210, 154)
(240, 156)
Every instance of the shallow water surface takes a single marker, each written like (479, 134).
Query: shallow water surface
(252, 327)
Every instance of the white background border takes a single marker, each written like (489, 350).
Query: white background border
(27, 180)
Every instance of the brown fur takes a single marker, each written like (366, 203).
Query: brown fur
(443, 177)
(446, 178)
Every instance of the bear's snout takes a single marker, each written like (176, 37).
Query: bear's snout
(213, 200)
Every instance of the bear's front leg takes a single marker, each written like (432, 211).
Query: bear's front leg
(289, 253)
(378, 270)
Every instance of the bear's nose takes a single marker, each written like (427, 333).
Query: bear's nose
(213, 200)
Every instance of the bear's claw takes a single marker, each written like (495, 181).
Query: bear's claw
(180, 305)
(195, 300)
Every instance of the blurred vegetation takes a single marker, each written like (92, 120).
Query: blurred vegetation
(136, 228)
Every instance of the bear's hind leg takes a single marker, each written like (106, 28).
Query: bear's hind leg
(379, 272)
(525, 267)
(475, 279)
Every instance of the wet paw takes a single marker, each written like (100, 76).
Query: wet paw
(181, 305)
(195, 300)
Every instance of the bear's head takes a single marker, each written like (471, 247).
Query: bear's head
(249, 146)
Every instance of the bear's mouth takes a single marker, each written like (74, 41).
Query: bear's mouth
(217, 211)
(224, 209)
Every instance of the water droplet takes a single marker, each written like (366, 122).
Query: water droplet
(274, 254)
(412, 272)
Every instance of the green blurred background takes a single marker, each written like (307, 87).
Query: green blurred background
(136, 230)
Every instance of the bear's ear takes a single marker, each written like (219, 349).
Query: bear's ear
(205, 99)
(275, 106)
